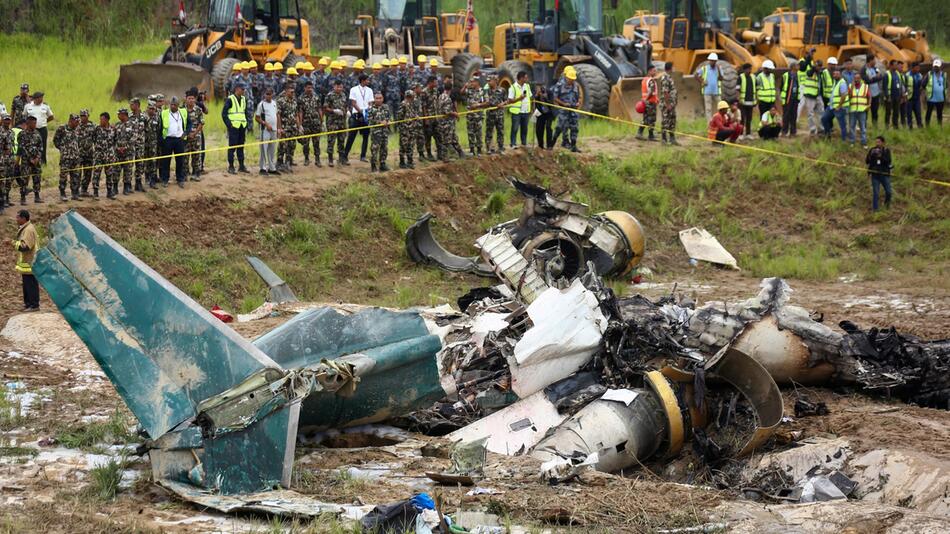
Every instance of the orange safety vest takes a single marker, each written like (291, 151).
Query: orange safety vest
(645, 90)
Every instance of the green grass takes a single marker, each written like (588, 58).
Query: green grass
(91, 436)
(11, 412)
(104, 480)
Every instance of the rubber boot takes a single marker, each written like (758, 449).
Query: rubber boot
(316, 160)
(231, 170)
(138, 186)
(372, 167)
(126, 189)
(241, 168)
(36, 198)
(23, 199)
(402, 162)
(306, 159)
(330, 160)
(95, 193)
(383, 167)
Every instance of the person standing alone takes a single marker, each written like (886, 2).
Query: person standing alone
(879, 169)
(25, 247)
(935, 88)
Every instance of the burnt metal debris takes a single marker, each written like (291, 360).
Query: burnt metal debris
(544, 364)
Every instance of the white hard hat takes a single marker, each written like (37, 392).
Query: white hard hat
(832, 60)
(713, 57)
(938, 63)
(767, 64)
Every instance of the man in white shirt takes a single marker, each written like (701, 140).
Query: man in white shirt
(173, 125)
(361, 98)
(41, 110)
(266, 116)
(519, 96)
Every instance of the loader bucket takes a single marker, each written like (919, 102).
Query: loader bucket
(689, 97)
(624, 96)
(143, 79)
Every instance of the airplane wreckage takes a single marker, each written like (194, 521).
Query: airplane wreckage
(549, 363)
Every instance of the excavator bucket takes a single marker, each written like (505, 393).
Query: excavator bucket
(689, 96)
(624, 96)
(142, 79)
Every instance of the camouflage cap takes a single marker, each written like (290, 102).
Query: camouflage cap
(73, 117)
(5, 117)
(123, 110)
(83, 112)
(135, 100)
(159, 96)
(410, 93)
(24, 86)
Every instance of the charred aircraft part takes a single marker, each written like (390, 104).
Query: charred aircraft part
(559, 237)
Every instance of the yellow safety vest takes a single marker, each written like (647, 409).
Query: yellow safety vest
(742, 87)
(827, 83)
(860, 98)
(808, 84)
(166, 113)
(767, 91)
(929, 84)
(838, 101)
(237, 112)
(23, 266)
(515, 108)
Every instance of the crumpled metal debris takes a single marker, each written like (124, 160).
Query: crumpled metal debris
(558, 237)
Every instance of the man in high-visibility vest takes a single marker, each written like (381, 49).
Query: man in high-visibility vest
(765, 86)
(650, 95)
(712, 86)
(894, 96)
(25, 247)
(234, 115)
(790, 95)
(771, 124)
(859, 100)
(173, 127)
(519, 107)
(825, 80)
(839, 107)
(811, 103)
(935, 89)
(747, 98)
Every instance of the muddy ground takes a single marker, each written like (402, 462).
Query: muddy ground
(53, 389)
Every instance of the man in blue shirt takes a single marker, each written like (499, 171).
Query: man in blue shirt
(915, 82)
(872, 76)
(709, 75)
(935, 88)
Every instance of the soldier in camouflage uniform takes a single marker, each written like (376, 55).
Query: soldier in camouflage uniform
(124, 150)
(66, 140)
(19, 102)
(86, 151)
(310, 111)
(6, 160)
(334, 108)
(377, 79)
(287, 127)
(196, 124)
(151, 146)
(30, 152)
(408, 128)
(475, 101)
(495, 118)
(138, 120)
(668, 104)
(568, 95)
(103, 142)
(650, 94)
(392, 91)
(430, 106)
(380, 116)
(447, 137)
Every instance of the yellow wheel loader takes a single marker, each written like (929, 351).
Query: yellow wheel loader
(414, 27)
(203, 55)
(844, 29)
(571, 32)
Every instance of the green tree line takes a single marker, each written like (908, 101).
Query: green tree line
(126, 21)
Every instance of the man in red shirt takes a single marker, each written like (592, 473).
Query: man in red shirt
(722, 126)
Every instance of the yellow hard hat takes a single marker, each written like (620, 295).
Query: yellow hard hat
(384, 62)
(569, 68)
(299, 65)
(252, 64)
(336, 64)
(268, 67)
(722, 105)
(278, 65)
(570, 74)
(324, 61)
(422, 58)
(359, 64)
(377, 66)
(403, 60)
(238, 66)
(292, 71)
(308, 66)
(433, 62)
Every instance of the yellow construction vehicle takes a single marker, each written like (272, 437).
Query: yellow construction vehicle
(203, 55)
(688, 31)
(571, 32)
(844, 29)
(414, 27)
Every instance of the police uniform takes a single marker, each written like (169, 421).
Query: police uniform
(66, 140)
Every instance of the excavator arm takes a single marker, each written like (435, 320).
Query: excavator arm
(880, 47)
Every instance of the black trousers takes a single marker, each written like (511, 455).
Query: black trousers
(31, 291)
(931, 106)
(875, 104)
(790, 117)
(236, 138)
(747, 112)
(173, 145)
(355, 122)
(43, 133)
(543, 131)
(893, 113)
(765, 106)
(769, 132)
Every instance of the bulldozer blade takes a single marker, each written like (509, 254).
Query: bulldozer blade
(689, 96)
(625, 94)
(143, 79)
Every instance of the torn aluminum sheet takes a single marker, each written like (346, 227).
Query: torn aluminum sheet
(558, 237)
(274, 502)
(222, 414)
(278, 290)
(703, 246)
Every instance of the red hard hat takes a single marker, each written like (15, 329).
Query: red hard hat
(641, 106)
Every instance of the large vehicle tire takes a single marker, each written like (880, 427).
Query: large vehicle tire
(594, 88)
(508, 71)
(220, 73)
(292, 60)
(728, 79)
(464, 66)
